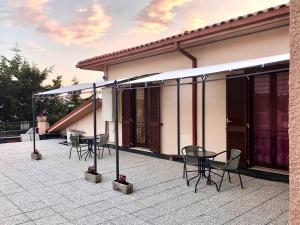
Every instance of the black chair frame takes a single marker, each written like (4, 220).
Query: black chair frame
(224, 169)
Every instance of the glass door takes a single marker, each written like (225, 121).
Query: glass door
(262, 120)
(270, 120)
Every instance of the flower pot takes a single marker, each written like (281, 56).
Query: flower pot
(36, 156)
(95, 178)
(123, 188)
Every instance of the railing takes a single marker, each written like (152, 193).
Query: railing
(8, 129)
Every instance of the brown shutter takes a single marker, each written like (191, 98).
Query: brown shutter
(237, 116)
(126, 118)
(152, 97)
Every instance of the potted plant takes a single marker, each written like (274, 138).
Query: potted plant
(91, 176)
(36, 155)
(122, 185)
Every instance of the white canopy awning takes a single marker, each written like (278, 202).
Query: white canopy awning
(173, 75)
(74, 88)
(208, 70)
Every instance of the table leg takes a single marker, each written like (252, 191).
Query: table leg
(199, 173)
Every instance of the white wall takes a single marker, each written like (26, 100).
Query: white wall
(86, 123)
(256, 45)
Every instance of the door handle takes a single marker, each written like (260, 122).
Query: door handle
(228, 121)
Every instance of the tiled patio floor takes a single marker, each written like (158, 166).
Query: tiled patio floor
(53, 191)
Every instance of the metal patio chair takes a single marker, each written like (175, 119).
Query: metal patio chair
(76, 144)
(231, 166)
(184, 152)
(102, 142)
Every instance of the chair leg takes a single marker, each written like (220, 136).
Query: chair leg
(108, 150)
(219, 188)
(229, 176)
(186, 177)
(241, 181)
(70, 152)
(102, 153)
(79, 152)
(184, 169)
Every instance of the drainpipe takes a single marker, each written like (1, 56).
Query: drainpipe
(194, 97)
(105, 77)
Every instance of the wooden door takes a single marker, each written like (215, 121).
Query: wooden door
(127, 114)
(152, 102)
(237, 116)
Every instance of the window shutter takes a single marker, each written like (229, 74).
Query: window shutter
(126, 118)
(153, 118)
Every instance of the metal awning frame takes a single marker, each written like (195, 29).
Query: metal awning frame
(118, 86)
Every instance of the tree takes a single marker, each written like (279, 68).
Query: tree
(75, 99)
(18, 80)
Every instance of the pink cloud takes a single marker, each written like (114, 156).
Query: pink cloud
(35, 47)
(90, 26)
(158, 14)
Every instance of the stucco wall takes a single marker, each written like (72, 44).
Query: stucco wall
(86, 124)
(294, 115)
(256, 45)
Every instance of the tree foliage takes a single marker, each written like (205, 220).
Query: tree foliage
(18, 80)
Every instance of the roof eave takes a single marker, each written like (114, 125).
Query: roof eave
(167, 44)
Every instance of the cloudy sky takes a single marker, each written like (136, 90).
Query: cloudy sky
(63, 32)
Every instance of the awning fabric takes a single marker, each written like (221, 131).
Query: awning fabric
(74, 88)
(173, 75)
(208, 70)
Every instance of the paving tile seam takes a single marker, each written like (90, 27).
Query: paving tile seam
(207, 213)
(255, 207)
(277, 217)
(23, 213)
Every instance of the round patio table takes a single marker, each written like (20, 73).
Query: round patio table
(202, 157)
(90, 142)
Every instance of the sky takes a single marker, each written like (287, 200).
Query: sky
(60, 33)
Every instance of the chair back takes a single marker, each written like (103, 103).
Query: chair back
(74, 140)
(233, 162)
(103, 139)
(190, 148)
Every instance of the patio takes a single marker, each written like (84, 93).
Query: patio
(53, 191)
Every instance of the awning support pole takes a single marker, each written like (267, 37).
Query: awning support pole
(178, 117)
(203, 112)
(33, 121)
(95, 127)
(116, 130)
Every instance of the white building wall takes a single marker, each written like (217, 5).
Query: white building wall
(256, 45)
(86, 124)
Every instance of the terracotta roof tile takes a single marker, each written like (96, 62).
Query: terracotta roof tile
(187, 35)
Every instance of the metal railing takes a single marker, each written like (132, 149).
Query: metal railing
(8, 129)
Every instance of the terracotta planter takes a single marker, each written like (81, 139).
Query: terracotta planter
(123, 188)
(95, 178)
(36, 156)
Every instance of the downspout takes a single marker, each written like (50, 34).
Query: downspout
(105, 77)
(194, 97)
